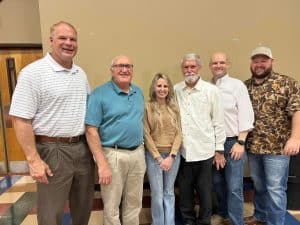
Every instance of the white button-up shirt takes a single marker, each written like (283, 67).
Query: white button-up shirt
(238, 111)
(202, 119)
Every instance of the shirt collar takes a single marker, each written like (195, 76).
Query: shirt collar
(222, 79)
(58, 68)
(119, 90)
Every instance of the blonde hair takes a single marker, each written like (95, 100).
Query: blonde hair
(171, 103)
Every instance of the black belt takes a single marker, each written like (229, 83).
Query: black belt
(120, 147)
(232, 138)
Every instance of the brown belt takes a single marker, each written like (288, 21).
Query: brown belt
(42, 138)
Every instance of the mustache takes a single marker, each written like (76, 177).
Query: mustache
(191, 74)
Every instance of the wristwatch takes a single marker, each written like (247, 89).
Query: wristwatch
(241, 142)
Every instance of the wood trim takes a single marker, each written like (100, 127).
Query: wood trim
(21, 46)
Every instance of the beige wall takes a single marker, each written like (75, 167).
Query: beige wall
(156, 33)
(19, 22)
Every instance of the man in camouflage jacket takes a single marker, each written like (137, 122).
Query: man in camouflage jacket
(276, 136)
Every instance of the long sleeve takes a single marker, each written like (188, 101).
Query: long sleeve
(218, 121)
(149, 142)
(178, 139)
(245, 110)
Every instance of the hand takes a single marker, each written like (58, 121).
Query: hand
(166, 163)
(39, 170)
(104, 173)
(219, 160)
(292, 147)
(237, 151)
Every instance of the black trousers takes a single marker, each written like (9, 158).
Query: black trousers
(196, 176)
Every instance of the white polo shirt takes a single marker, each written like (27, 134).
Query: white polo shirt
(53, 97)
(202, 119)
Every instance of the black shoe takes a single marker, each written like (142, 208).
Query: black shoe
(189, 222)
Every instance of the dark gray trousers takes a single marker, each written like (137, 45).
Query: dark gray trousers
(73, 179)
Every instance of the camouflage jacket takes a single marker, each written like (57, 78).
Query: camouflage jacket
(274, 102)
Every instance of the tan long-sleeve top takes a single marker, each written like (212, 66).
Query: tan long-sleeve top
(163, 136)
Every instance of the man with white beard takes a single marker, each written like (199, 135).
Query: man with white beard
(202, 120)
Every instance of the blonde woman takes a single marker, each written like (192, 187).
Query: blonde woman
(162, 134)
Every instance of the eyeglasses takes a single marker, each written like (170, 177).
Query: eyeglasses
(120, 66)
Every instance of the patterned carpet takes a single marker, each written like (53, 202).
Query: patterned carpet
(18, 197)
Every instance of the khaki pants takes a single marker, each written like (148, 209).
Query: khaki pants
(128, 169)
(73, 178)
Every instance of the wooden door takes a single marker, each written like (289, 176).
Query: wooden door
(11, 62)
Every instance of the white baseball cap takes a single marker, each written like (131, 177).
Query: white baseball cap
(262, 51)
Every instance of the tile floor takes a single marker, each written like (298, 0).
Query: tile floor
(18, 196)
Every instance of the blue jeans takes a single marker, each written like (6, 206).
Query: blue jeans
(228, 185)
(162, 190)
(269, 174)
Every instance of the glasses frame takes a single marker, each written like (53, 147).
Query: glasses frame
(121, 66)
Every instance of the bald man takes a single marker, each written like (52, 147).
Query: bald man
(239, 118)
(114, 130)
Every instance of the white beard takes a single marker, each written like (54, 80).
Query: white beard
(191, 79)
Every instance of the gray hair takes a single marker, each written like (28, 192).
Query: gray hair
(113, 61)
(191, 56)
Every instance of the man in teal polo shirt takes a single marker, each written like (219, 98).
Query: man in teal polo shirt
(114, 130)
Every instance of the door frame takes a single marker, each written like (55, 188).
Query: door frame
(13, 46)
